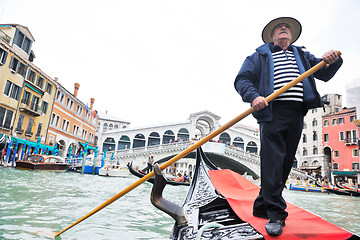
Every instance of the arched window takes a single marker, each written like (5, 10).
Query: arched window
(109, 144)
(251, 147)
(183, 134)
(315, 136)
(168, 137)
(154, 139)
(239, 142)
(315, 150)
(110, 127)
(124, 142)
(314, 122)
(139, 141)
(105, 127)
(304, 152)
(304, 138)
(225, 138)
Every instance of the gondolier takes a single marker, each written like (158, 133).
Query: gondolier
(273, 65)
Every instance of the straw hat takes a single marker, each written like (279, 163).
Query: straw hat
(293, 23)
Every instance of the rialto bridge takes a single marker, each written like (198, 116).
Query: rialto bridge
(239, 144)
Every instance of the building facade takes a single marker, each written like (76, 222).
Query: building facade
(341, 146)
(72, 122)
(27, 93)
(310, 156)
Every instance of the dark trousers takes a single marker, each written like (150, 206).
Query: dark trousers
(279, 140)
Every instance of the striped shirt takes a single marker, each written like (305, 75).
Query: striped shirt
(286, 70)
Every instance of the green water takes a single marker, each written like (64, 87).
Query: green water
(35, 204)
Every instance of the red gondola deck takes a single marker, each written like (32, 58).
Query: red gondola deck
(300, 224)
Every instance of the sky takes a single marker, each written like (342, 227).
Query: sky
(158, 61)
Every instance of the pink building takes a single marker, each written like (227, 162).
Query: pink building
(341, 144)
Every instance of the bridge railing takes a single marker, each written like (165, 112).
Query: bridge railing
(238, 152)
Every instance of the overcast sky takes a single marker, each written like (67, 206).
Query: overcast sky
(152, 62)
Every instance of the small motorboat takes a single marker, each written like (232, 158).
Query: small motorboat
(309, 188)
(142, 173)
(219, 204)
(43, 163)
(114, 170)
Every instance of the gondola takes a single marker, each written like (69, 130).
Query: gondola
(338, 191)
(141, 174)
(218, 206)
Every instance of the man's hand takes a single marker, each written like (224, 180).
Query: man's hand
(330, 57)
(259, 103)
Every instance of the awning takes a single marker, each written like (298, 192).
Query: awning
(32, 144)
(309, 167)
(89, 146)
(344, 173)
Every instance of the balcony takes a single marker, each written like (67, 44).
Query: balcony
(351, 141)
(19, 131)
(33, 109)
(28, 133)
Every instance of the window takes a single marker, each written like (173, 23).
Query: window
(336, 153)
(355, 166)
(22, 41)
(3, 55)
(326, 137)
(354, 138)
(34, 103)
(304, 138)
(334, 121)
(314, 122)
(14, 64)
(75, 130)
(341, 136)
(29, 127)
(48, 88)
(5, 117)
(38, 132)
(31, 76)
(336, 166)
(326, 123)
(40, 82)
(84, 133)
(304, 152)
(22, 69)
(44, 106)
(12, 90)
(315, 136)
(26, 98)
(348, 136)
(65, 125)
(355, 152)
(305, 126)
(315, 150)
(341, 121)
(20, 123)
(314, 110)
(352, 118)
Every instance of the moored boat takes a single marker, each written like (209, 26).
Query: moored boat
(308, 188)
(43, 163)
(114, 170)
(219, 206)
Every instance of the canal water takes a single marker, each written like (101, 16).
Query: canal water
(35, 204)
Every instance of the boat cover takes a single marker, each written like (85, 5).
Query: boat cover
(300, 224)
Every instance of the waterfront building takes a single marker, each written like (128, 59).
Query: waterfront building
(72, 123)
(341, 147)
(27, 92)
(310, 156)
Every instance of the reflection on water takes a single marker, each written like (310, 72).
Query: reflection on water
(35, 204)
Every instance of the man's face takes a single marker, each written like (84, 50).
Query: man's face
(281, 31)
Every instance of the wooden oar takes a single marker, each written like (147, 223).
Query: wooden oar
(199, 143)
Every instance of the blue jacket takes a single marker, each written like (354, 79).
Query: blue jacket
(256, 78)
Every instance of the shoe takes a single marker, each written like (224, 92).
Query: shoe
(274, 227)
(260, 214)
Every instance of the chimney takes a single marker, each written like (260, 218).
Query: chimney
(92, 100)
(77, 85)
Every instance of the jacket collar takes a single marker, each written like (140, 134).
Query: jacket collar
(267, 47)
